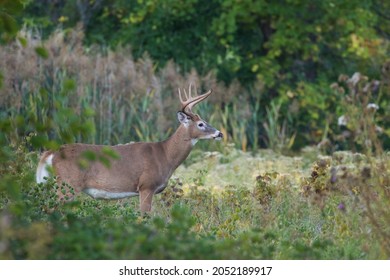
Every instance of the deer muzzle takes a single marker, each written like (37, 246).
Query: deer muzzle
(219, 136)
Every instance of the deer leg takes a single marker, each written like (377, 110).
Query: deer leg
(145, 200)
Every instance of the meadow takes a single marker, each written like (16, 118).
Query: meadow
(231, 205)
(251, 196)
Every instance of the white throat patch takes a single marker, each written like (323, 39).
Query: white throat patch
(194, 141)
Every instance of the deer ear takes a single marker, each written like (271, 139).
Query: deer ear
(183, 118)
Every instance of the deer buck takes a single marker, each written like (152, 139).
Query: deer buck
(141, 169)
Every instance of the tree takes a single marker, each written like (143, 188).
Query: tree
(283, 41)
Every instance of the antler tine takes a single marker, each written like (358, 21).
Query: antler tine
(187, 96)
(191, 101)
(189, 90)
(181, 98)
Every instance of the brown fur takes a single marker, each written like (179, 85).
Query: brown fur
(142, 167)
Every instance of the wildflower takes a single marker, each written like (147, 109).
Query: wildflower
(342, 121)
(343, 78)
(355, 79)
(373, 107)
(334, 86)
(371, 87)
(63, 19)
(341, 206)
(378, 129)
(375, 85)
(333, 176)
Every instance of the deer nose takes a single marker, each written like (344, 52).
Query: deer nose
(219, 136)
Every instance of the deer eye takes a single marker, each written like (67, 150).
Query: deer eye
(201, 125)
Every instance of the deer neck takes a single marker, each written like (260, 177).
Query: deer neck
(178, 146)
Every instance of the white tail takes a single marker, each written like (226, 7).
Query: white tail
(44, 164)
(142, 168)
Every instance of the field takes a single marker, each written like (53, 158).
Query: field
(218, 205)
(301, 93)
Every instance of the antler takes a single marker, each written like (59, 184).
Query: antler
(186, 105)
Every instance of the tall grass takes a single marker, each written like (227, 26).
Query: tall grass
(279, 136)
(131, 100)
(126, 99)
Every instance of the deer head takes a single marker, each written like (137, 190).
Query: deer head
(198, 128)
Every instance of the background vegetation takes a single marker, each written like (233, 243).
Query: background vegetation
(300, 78)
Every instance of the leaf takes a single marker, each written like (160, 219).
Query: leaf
(83, 163)
(110, 153)
(23, 41)
(52, 145)
(42, 52)
(68, 84)
(89, 155)
(89, 112)
(38, 141)
(13, 7)
(105, 161)
(8, 24)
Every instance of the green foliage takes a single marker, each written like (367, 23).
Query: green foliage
(9, 26)
(265, 189)
(278, 137)
(288, 40)
(42, 52)
(33, 126)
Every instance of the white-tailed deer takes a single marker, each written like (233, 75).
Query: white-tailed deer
(142, 168)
